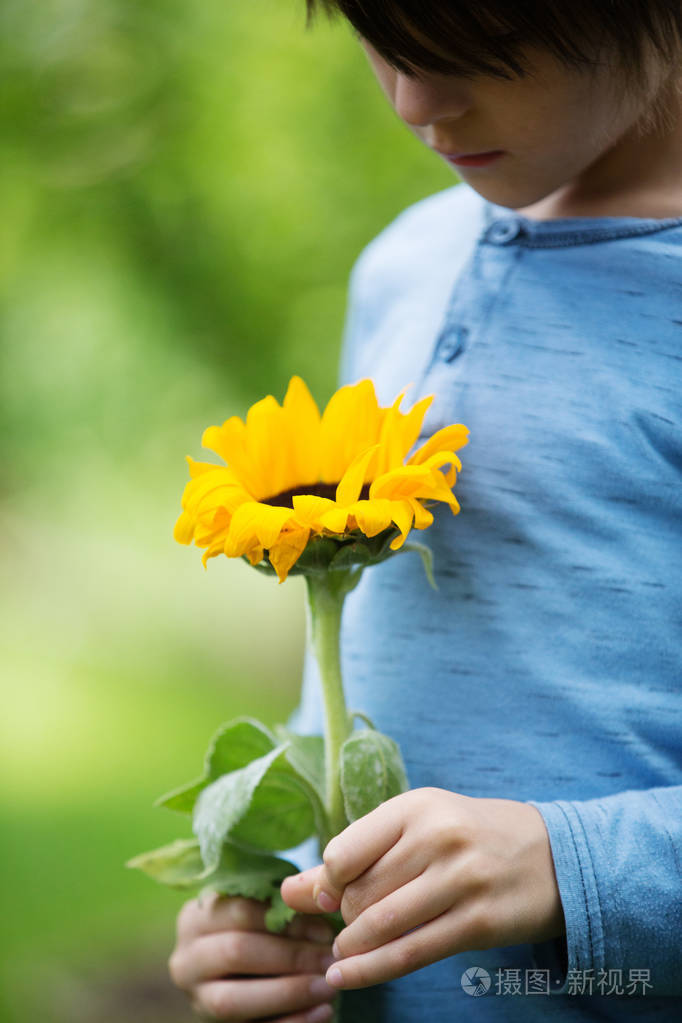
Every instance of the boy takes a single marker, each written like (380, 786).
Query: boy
(535, 696)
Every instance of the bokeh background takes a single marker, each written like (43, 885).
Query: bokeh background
(185, 186)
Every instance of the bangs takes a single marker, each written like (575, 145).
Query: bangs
(459, 37)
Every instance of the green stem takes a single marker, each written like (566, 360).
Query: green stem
(326, 594)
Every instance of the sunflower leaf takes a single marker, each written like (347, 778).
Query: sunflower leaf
(279, 914)
(183, 798)
(234, 745)
(306, 756)
(177, 864)
(223, 803)
(266, 804)
(372, 771)
(251, 875)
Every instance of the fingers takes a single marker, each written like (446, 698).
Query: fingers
(216, 913)
(311, 891)
(350, 853)
(224, 913)
(399, 912)
(445, 935)
(222, 936)
(212, 956)
(254, 999)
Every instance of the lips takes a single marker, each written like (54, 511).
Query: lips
(458, 156)
(472, 159)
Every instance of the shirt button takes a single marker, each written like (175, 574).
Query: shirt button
(452, 344)
(503, 231)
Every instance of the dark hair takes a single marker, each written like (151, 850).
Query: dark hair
(489, 37)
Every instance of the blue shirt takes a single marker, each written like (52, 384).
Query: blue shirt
(546, 668)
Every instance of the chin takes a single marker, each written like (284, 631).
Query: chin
(514, 197)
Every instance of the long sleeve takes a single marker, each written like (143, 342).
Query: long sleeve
(618, 862)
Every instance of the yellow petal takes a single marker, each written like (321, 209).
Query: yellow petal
(351, 423)
(197, 468)
(391, 453)
(287, 550)
(229, 441)
(254, 522)
(372, 517)
(212, 530)
(350, 486)
(212, 552)
(227, 497)
(422, 516)
(268, 448)
(450, 438)
(308, 508)
(302, 417)
(436, 489)
(443, 458)
(412, 423)
(184, 529)
(254, 554)
(402, 515)
(196, 487)
(401, 483)
(335, 520)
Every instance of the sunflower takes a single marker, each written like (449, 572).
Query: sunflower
(293, 476)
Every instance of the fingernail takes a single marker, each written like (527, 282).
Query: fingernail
(335, 950)
(319, 1014)
(334, 977)
(326, 902)
(319, 988)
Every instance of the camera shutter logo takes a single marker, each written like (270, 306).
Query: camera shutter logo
(476, 981)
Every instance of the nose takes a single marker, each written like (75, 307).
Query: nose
(423, 100)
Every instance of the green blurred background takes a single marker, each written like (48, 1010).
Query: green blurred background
(185, 186)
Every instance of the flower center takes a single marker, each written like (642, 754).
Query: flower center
(328, 490)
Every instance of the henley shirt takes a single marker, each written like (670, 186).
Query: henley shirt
(546, 667)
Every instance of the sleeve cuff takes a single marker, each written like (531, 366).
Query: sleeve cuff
(583, 946)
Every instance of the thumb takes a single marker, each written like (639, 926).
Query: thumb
(300, 891)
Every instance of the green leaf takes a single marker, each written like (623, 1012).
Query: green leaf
(372, 771)
(234, 745)
(248, 874)
(178, 864)
(183, 799)
(266, 804)
(224, 803)
(281, 813)
(426, 554)
(306, 756)
(251, 875)
(279, 914)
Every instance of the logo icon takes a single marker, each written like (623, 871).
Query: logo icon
(476, 981)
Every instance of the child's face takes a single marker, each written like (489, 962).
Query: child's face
(559, 128)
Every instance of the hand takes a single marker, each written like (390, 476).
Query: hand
(428, 874)
(222, 943)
